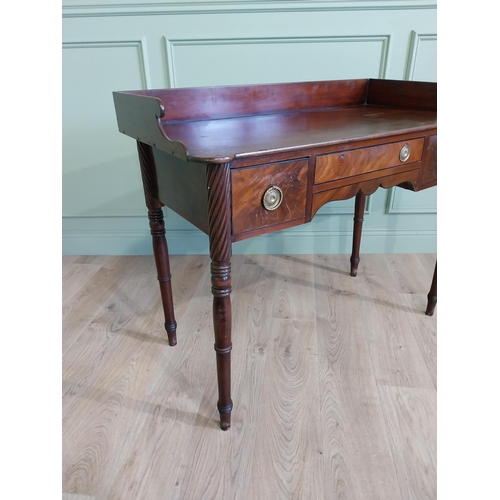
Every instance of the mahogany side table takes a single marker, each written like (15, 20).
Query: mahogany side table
(242, 161)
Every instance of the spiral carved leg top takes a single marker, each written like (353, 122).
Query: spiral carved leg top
(359, 209)
(432, 295)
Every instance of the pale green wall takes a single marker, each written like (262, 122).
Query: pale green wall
(132, 45)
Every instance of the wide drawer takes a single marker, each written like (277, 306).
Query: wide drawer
(334, 166)
(268, 194)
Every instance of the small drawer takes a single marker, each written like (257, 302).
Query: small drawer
(429, 171)
(268, 194)
(333, 166)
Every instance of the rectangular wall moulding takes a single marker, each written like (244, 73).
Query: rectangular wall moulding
(100, 172)
(422, 58)
(272, 60)
(400, 201)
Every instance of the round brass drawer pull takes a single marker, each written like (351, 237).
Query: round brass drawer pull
(272, 198)
(404, 154)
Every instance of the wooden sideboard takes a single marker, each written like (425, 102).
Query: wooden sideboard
(242, 161)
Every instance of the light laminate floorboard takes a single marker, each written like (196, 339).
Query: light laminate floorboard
(69, 496)
(387, 317)
(358, 463)
(411, 421)
(333, 381)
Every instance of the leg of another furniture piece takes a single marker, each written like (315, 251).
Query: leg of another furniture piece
(219, 221)
(359, 210)
(432, 295)
(160, 248)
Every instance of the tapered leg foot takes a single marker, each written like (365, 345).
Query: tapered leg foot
(359, 209)
(432, 295)
(431, 305)
(354, 267)
(171, 333)
(225, 416)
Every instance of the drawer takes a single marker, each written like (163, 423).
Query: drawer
(353, 162)
(268, 194)
(429, 171)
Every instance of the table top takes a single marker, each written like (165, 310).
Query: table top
(220, 124)
(246, 136)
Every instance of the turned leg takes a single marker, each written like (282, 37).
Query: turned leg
(432, 295)
(359, 210)
(160, 248)
(219, 221)
(221, 288)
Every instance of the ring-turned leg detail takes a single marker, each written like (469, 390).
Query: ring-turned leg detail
(219, 221)
(221, 288)
(359, 210)
(160, 248)
(432, 295)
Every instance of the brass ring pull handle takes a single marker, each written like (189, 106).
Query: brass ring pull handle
(404, 154)
(272, 198)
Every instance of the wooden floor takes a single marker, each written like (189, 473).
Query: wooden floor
(334, 381)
